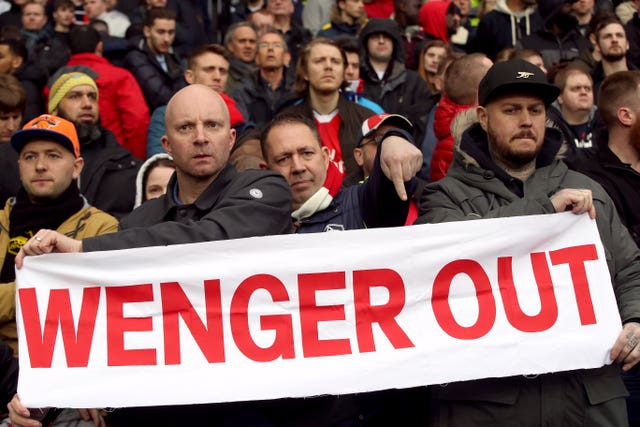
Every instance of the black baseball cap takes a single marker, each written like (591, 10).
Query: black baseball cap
(516, 76)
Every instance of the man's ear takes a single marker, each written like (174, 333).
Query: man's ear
(482, 117)
(166, 145)
(626, 117)
(16, 62)
(357, 155)
(188, 76)
(146, 31)
(77, 167)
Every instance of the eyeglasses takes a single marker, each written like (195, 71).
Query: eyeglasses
(369, 140)
(275, 45)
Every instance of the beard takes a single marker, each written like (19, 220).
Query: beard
(505, 154)
(87, 132)
(613, 57)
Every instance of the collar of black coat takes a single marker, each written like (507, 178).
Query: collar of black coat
(207, 199)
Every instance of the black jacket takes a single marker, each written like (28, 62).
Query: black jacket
(157, 85)
(553, 48)
(235, 205)
(619, 180)
(108, 178)
(632, 29)
(255, 104)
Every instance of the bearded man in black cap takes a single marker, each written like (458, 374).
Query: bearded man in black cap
(507, 165)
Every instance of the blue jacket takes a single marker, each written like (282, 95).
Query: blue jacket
(374, 203)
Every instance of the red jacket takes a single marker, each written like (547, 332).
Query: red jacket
(443, 153)
(123, 109)
(379, 8)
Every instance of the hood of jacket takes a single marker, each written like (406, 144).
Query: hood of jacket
(501, 6)
(385, 26)
(142, 171)
(444, 115)
(433, 18)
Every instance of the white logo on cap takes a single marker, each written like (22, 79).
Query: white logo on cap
(255, 193)
(523, 75)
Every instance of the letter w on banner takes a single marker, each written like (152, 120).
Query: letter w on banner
(303, 315)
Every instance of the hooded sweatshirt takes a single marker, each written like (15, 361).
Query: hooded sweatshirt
(398, 89)
(501, 28)
(433, 18)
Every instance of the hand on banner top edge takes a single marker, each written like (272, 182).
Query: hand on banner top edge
(578, 201)
(47, 241)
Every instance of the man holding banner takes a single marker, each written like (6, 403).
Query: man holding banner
(507, 165)
(206, 200)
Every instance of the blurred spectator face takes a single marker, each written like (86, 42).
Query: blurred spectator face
(464, 6)
(94, 8)
(280, 7)
(9, 124)
(79, 105)
(612, 42)
(380, 47)
(243, 45)
(582, 7)
(63, 16)
(156, 3)
(432, 58)
(262, 21)
(537, 61)
(210, 70)
(160, 35)
(271, 51)
(294, 151)
(47, 169)
(354, 9)
(9, 62)
(157, 181)
(352, 72)
(412, 11)
(577, 94)
(33, 17)
(453, 21)
(325, 68)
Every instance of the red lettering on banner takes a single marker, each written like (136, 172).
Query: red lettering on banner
(280, 323)
(484, 295)
(41, 343)
(548, 313)
(576, 256)
(311, 314)
(117, 325)
(209, 338)
(384, 315)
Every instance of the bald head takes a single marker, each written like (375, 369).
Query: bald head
(191, 95)
(198, 137)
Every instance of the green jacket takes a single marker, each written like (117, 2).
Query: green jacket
(470, 191)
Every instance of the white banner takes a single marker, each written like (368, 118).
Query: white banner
(325, 313)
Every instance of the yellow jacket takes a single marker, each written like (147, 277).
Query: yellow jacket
(87, 222)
